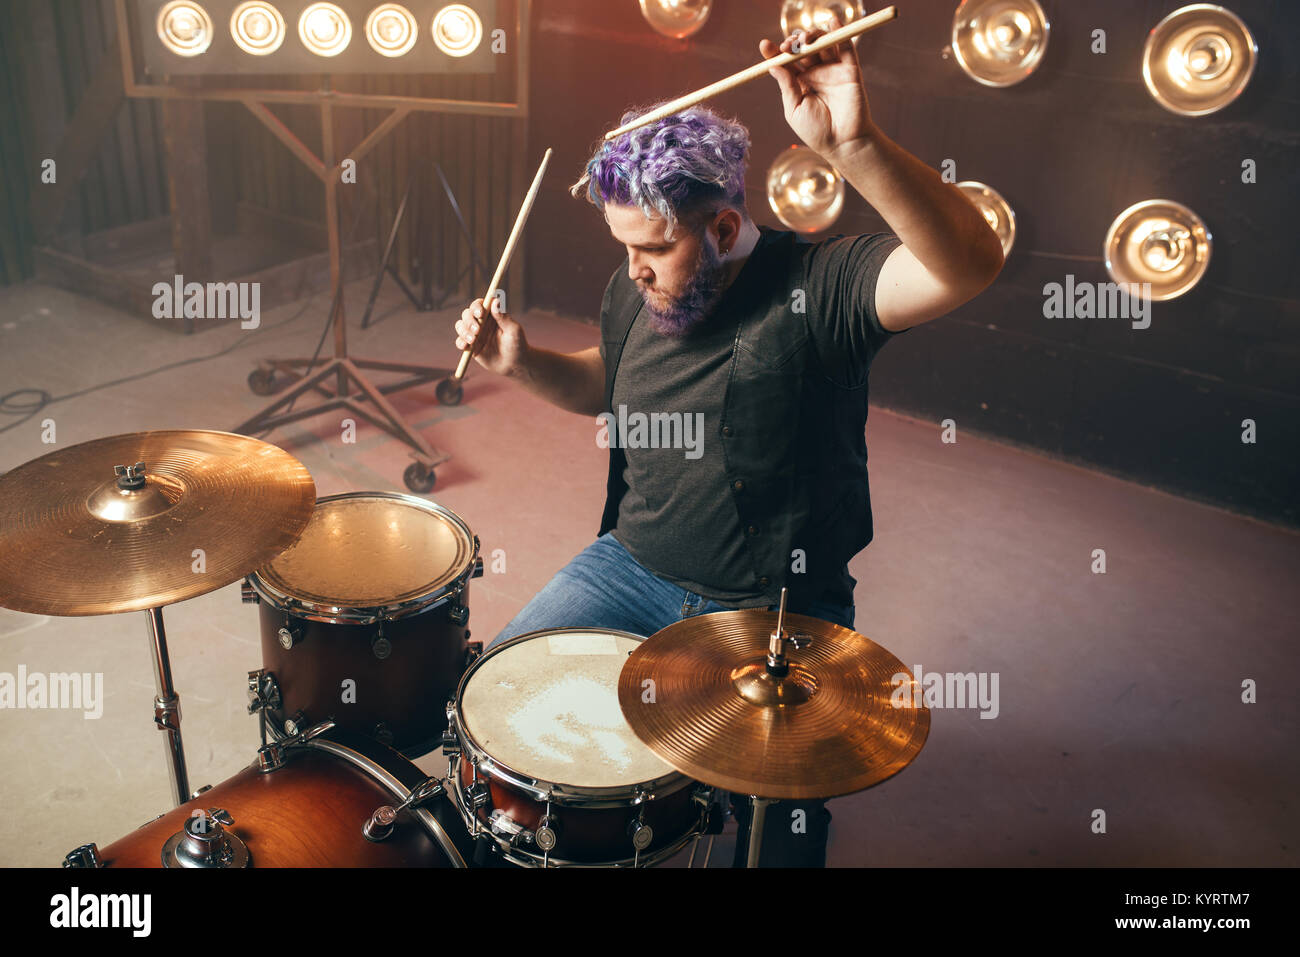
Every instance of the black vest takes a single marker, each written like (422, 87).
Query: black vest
(793, 440)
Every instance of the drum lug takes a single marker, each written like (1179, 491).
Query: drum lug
(380, 646)
(248, 594)
(450, 743)
(641, 833)
(289, 637)
(206, 787)
(458, 614)
(547, 834)
(85, 856)
(473, 651)
(477, 795)
(263, 691)
(478, 563)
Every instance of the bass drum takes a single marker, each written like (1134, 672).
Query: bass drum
(311, 811)
(364, 620)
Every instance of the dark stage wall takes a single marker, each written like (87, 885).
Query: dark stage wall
(1069, 148)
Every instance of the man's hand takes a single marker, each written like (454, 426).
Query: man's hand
(823, 95)
(501, 344)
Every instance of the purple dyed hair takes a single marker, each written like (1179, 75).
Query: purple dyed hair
(674, 168)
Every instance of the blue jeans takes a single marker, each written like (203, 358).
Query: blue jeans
(605, 587)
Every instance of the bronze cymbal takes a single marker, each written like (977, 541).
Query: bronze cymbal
(712, 712)
(79, 539)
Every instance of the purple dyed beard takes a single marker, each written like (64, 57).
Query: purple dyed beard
(692, 307)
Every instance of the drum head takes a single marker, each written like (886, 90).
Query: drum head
(372, 550)
(546, 706)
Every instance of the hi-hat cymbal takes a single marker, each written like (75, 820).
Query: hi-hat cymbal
(697, 695)
(209, 508)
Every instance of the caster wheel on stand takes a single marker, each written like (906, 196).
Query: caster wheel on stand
(419, 477)
(262, 382)
(449, 392)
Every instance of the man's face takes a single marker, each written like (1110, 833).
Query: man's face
(679, 279)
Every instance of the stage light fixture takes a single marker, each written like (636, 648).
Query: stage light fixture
(805, 191)
(257, 27)
(325, 29)
(676, 18)
(811, 15)
(999, 42)
(1158, 242)
(391, 29)
(997, 212)
(1198, 59)
(184, 28)
(457, 30)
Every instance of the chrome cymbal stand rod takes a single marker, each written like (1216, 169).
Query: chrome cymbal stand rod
(776, 663)
(167, 707)
(757, 819)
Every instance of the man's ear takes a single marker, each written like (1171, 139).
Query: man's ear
(726, 227)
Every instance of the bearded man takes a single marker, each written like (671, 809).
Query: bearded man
(767, 336)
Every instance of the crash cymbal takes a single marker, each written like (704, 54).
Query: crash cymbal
(699, 695)
(86, 532)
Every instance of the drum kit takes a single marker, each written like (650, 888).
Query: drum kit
(567, 747)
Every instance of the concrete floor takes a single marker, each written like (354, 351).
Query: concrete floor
(1119, 692)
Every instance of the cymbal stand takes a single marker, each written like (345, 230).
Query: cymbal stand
(167, 707)
(776, 670)
(757, 818)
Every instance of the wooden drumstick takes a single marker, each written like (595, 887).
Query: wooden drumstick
(879, 18)
(522, 218)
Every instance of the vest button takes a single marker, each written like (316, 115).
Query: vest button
(726, 430)
(752, 530)
(738, 485)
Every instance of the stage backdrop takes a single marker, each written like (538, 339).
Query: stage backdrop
(1069, 148)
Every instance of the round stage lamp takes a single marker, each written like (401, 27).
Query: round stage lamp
(805, 191)
(676, 18)
(184, 28)
(391, 29)
(324, 29)
(457, 30)
(999, 42)
(811, 15)
(1158, 242)
(1198, 59)
(997, 212)
(257, 27)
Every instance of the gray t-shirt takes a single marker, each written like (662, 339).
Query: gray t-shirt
(678, 517)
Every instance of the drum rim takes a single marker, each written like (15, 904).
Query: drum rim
(283, 600)
(554, 792)
(525, 858)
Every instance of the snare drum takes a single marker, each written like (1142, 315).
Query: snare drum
(364, 619)
(546, 766)
(310, 811)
